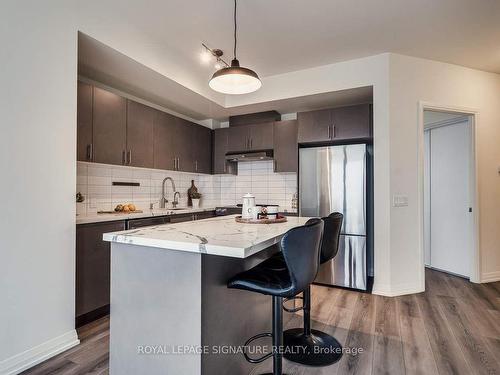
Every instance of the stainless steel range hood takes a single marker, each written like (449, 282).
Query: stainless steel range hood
(250, 156)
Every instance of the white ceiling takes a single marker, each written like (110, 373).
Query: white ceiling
(103, 64)
(280, 36)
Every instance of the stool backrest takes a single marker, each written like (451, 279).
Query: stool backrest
(331, 235)
(301, 249)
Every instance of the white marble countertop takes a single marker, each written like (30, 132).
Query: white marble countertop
(96, 218)
(216, 236)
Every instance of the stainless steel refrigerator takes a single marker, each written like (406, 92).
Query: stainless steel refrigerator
(334, 179)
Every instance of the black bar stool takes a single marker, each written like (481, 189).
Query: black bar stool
(321, 349)
(284, 275)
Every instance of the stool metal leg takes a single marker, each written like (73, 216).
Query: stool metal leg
(321, 349)
(277, 336)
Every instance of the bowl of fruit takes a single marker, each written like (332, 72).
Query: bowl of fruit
(126, 208)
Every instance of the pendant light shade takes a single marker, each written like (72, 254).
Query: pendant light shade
(235, 80)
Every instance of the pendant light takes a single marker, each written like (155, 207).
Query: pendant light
(235, 79)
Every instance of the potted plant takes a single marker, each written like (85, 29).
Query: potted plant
(195, 198)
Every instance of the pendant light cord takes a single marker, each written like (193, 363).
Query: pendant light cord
(235, 28)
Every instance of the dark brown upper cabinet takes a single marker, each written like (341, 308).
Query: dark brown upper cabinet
(334, 124)
(314, 126)
(163, 140)
(84, 122)
(238, 138)
(202, 149)
(220, 148)
(352, 122)
(286, 148)
(251, 137)
(261, 136)
(182, 144)
(140, 123)
(109, 127)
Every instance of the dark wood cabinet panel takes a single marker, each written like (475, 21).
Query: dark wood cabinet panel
(285, 146)
(84, 122)
(336, 124)
(261, 136)
(202, 149)
(109, 127)
(220, 147)
(140, 122)
(182, 144)
(351, 122)
(238, 138)
(163, 138)
(93, 266)
(314, 126)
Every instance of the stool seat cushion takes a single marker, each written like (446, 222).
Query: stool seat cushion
(271, 277)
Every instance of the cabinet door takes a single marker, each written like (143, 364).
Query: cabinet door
(238, 138)
(204, 215)
(84, 122)
(286, 148)
(183, 143)
(314, 126)
(181, 218)
(109, 129)
(261, 136)
(93, 265)
(220, 144)
(202, 149)
(351, 122)
(140, 121)
(164, 126)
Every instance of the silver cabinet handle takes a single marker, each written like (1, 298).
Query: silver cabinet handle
(251, 142)
(178, 164)
(333, 131)
(175, 163)
(329, 132)
(89, 152)
(129, 157)
(124, 157)
(196, 165)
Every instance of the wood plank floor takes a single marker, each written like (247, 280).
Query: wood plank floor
(452, 328)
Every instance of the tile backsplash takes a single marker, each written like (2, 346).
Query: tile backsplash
(94, 181)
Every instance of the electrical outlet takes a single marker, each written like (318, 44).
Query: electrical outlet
(400, 200)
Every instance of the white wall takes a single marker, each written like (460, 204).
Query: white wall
(38, 171)
(413, 80)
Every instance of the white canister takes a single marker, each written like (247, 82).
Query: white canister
(248, 206)
(272, 211)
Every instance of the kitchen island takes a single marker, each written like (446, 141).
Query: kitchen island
(171, 312)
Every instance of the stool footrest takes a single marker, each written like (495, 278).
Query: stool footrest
(253, 338)
(294, 310)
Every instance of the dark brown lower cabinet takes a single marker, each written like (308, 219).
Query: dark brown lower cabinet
(93, 258)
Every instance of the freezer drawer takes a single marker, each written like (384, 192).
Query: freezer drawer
(348, 268)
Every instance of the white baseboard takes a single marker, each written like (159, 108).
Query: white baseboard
(489, 277)
(31, 357)
(396, 290)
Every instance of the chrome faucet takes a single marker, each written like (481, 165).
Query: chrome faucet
(163, 199)
(177, 195)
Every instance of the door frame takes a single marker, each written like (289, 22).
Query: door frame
(475, 271)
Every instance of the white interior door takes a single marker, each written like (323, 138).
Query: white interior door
(450, 227)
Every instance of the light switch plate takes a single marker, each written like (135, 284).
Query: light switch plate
(400, 200)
